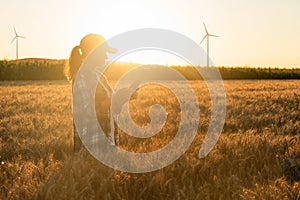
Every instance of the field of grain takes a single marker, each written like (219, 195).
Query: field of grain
(256, 157)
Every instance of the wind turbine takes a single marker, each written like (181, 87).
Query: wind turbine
(207, 43)
(17, 45)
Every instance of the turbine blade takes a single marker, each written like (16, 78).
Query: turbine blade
(203, 39)
(19, 36)
(15, 31)
(214, 35)
(205, 28)
(13, 39)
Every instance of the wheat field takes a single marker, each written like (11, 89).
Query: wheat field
(256, 157)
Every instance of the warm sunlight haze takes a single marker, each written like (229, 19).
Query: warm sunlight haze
(253, 33)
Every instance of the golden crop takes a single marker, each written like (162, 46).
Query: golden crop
(256, 157)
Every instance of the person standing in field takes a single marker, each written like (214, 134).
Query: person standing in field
(103, 91)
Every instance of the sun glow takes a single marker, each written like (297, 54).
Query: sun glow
(153, 57)
(125, 17)
(110, 19)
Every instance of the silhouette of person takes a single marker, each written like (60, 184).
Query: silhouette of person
(103, 91)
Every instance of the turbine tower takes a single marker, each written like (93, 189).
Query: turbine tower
(17, 45)
(207, 42)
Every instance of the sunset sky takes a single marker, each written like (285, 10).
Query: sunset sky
(254, 33)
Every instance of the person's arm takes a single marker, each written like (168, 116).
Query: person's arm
(106, 84)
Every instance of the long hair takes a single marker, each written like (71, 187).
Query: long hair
(73, 63)
(78, 53)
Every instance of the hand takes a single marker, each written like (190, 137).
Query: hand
(119, 99)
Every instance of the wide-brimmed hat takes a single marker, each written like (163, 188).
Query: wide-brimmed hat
(91, 41)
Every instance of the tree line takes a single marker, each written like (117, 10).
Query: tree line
(49, 69)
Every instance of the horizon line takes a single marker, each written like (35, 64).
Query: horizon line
(180, 65)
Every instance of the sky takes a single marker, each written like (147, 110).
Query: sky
(253, 33)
